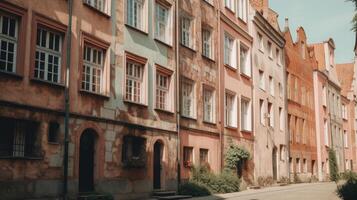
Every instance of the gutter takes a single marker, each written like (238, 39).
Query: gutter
(67, 108)
(177, 95)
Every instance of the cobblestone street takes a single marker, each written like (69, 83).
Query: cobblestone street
(316, 191)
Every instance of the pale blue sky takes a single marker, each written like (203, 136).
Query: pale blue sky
(321, 20)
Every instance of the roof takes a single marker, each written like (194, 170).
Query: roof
(345, 74)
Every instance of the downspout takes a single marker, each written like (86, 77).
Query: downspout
(177, 95)
(220, 81)
(66, 94)
(286, 112)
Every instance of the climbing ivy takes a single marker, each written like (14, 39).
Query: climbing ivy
(236, 155)
(333, 165)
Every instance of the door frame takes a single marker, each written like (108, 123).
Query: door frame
(161, 177)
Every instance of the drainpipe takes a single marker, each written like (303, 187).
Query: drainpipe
(286, 112)
(177, 95)
(66, 93)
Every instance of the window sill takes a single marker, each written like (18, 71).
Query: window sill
(136, 29)
(261, 50)
(97, 10)
(270, 57)
(94, 94)
(208, 58)
(188, 117)
(163, 43)
(135, 103)
(231, 127)
(246, 131)
(164, 111)
(230, 10)
(53, 143)
(11, 74)
(209, 3)
(189, 48)
(59, 85)
(245, 75)
(21, 158)
(230, 67)
(210, 123)
(242, 20)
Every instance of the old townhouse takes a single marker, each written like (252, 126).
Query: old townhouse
(270, 146)
(327, 108)
(122, 122)
(236, 79)
(300, 94)
(346, 74)
(199, 85)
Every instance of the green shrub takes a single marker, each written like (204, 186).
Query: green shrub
(333, 165)
(236, 155)
(348, 191)
(297, 178)
(348, 175)
(193, 188)
(265, 181)
(225, 182)
(284, 180)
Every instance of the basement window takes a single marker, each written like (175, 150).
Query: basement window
(19, 139)
(134, 152)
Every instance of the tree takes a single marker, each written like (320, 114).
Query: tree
(333, 165)
(354, 20)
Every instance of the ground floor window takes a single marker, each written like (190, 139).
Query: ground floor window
(19, 138)
(203, 157)
(134, 152)
(188, 156)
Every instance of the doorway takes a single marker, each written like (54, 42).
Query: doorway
(86, 161)
(158, 147)
(275, 163)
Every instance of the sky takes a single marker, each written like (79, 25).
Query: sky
(321, 19)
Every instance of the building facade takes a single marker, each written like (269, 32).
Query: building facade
(270, 147)
(300, 94)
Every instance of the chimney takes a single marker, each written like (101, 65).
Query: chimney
(286, 24)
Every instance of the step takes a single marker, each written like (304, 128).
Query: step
(173, 197)
(163, 193)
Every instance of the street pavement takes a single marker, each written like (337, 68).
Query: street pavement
(308, 191)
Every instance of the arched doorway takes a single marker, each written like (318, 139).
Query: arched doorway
(275, 164)
(158, 152)
(86, 161)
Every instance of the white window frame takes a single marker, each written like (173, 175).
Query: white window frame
(230, 4)
(281, 119)
(135, 77)
(345, 138)
(242, 10)
(188, 98)
(262, 111)
(208, 104)
(9, 39)
(271, 114)
(187, 36)
(278, 56)
(230, 104)
(261, 42)
(230, 51)
(47, 52)
(139, 7)
(244, 65)
(271, 86)
(326, 135)
(246, 114)
(100, 5)
(163, 91)
(270, 49)
(93, 66)
(261, 80)
(166, 22)
(207, 49)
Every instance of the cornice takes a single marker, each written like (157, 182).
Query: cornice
(236, 27)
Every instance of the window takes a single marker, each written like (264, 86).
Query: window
(134, 82)
(101, 5)
(326, 136)
(208, 105)
(188, 98)
(206, 43)
(229, 4)
(53, 132)
(270, 50)
(270, 114)
(324, 96)
(260, 42)
(303, 131)
(282, 152)
(305, 165)
(262, 111)
(230, 110)
(93, 59)
(135, 14)
(261, 80)
(162, 91)
(281, 119)
(203, 157)
(344, 111)
(19, 138)
(242, 10)
(163, 29)
(8, 42)
(291, 165)
(271, 85)
(244, 60)
(134, 151)
(281, 92)
(188, 156)
(278, 56)
(229, 51)
(345, 140)
(298, 165)
(246, 120)
(48, 55)
(187, 32)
